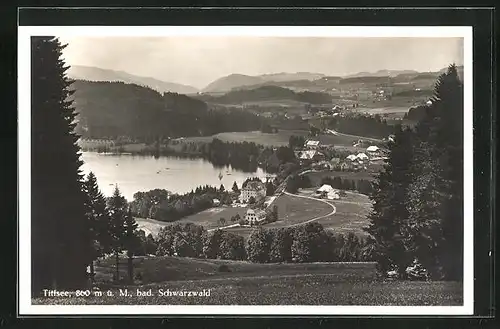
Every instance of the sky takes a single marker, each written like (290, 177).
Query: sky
(197, 61)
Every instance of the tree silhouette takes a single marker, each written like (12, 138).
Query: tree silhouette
(389, 204)
(97, 220)
(235, 188)
(435, 230)
(270, 189)
(131, 242)
(118, 210)
(59, 234)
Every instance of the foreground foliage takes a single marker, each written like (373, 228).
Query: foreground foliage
(60, 245)
(271, 284)
(300, 244)
(418, 200)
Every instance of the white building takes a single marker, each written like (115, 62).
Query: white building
(325, 189)
(311, 155)
(333, 195)
(254, 189)
(312, 144)
(352, 157)
(216, 202)
(362, 156)
(255, 216)
(372, 149)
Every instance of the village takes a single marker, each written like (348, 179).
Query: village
(255, 197)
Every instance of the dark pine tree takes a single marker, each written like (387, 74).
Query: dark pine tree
(97, 220)
(439, 181)
(118, 210)
(131, 242)
(235, 188)
(389, 212)
(58, 226)
(270, 189)
(449, 94)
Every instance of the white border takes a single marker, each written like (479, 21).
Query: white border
(24, 83)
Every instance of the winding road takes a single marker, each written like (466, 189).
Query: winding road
(375, 140)
(334, 210)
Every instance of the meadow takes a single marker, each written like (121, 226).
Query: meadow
(350, 214)
(265, 284)
(210, 218)
(317, 176)
(278, 139)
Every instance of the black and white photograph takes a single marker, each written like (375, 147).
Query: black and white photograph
(245, 170)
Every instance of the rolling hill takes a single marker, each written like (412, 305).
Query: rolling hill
(90, 73)
(241, 81)
(283, 76)
(112, 109)
(381, 73)
(266, 93)
(232, 81)
(403, 75)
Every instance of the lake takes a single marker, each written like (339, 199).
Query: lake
(135, 173)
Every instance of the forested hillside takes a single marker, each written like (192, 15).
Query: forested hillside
(112, 109)
(98, 74)
(418, 200)
(266, 93)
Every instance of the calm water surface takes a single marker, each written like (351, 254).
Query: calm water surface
(144, 173)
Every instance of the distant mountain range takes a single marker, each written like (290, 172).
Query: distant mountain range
(307, 80)
(381, 73)
(233, 81)
(279, 77)
(296, 81)
(90, 73)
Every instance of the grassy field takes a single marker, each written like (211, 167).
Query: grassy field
(210, 218)
(279, 139)
(351, 213)
(350, 216)
(149, 225)
(291, 211)
(396, 102)
(127, 148)
(170, 268)
(385, 110)
(280, 103)
(265, 284)
(317, 176)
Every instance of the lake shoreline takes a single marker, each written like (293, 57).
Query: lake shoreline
(141, 173)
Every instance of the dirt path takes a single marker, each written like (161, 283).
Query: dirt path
(334, 210)
(376, 140)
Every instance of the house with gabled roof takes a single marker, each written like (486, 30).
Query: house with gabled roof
(312, 144)
(255, 189)
(255, 216)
